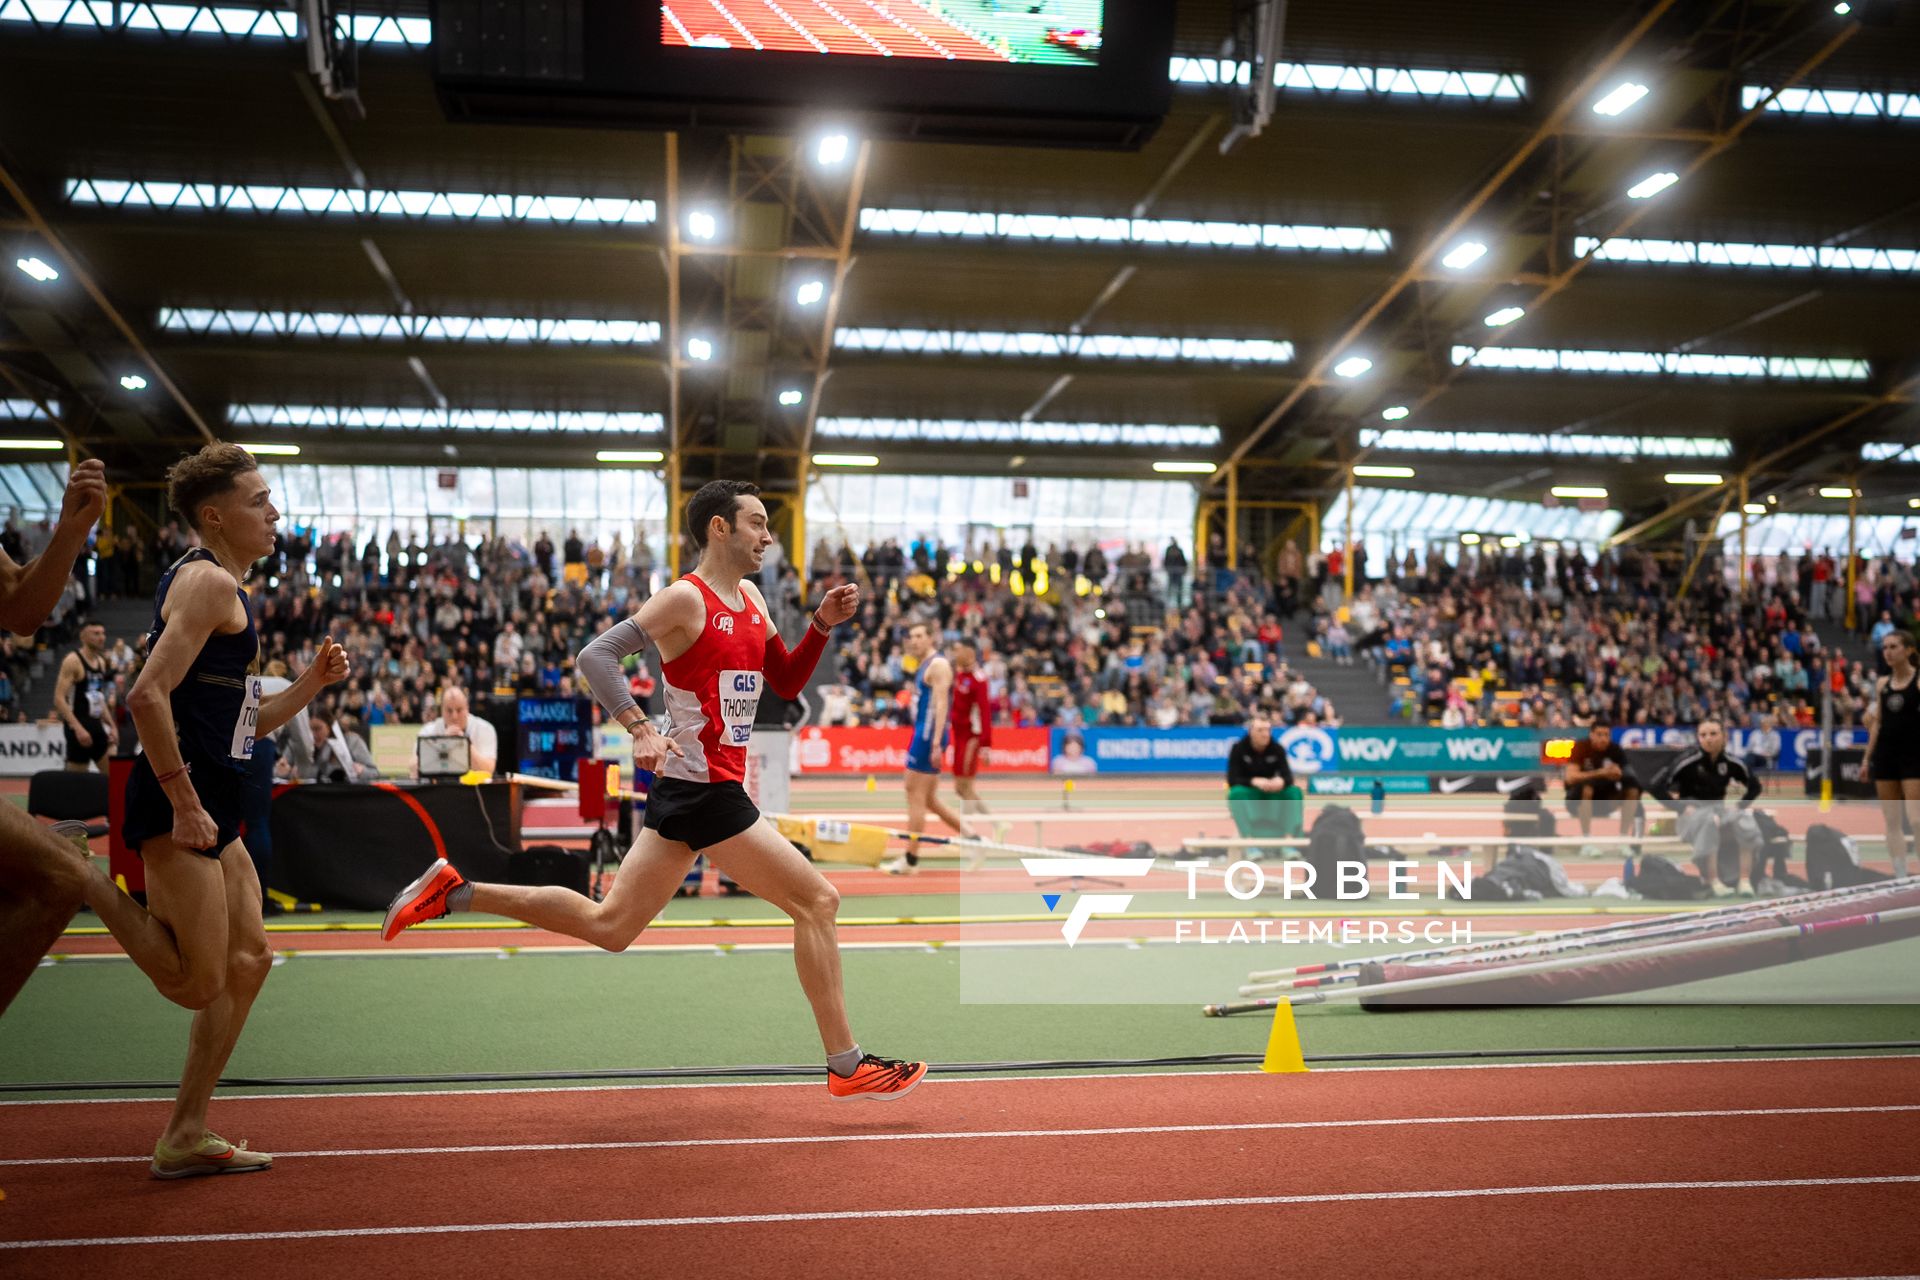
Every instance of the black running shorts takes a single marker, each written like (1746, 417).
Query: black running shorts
(699, 814)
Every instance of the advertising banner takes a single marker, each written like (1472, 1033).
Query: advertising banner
(824, 749)
(1310, 751)
(26, 749)
(1798, 747)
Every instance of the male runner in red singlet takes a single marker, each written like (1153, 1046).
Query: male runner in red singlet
(716, 642)
(972, 720)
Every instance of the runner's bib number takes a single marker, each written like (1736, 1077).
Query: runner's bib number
(249, 717)
(739, 697)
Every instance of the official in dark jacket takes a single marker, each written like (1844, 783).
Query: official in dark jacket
(1261, 795)
(1695, 785)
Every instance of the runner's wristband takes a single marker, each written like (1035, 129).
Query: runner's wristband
(171, 774)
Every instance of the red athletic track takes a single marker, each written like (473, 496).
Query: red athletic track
(875, 1160)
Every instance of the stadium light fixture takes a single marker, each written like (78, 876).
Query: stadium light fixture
(1505, 316)
(1353, 366)
(845, 460)
(832, 150)
(1755, 508)
(48, 445)
(37, 269)
(133, 382)
(702, 225)
(1394, 413)
(630, 455)
(1469, 539)
(699, 349)
(1843, 8)
(1578, 491)
(273, 450)
(1913, 504)
(1837, 491)
(1185, 468)
(1464, 255)
(809, 293)
(1652, 185)
(1619, 98)
(792, 396)
(1510, 541)
(1692, 477)
(1372, 472)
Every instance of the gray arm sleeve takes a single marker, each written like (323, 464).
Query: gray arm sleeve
(600, 662)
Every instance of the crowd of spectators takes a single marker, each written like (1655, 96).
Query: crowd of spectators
(1134, 635)
(1528, 638)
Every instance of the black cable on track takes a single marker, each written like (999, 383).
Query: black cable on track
(957, 1068)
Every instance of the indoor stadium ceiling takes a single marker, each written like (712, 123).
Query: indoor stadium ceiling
(346, 295)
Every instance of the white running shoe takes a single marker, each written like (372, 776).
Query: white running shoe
(898, 866)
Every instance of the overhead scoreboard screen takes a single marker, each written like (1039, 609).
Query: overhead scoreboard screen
(1087, 73)
(1057, 32)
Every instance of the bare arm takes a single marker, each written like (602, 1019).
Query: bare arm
(63, 695)
(939, 685)
(329, 667)
(29, 593)
(1872, 718)
(200, 599)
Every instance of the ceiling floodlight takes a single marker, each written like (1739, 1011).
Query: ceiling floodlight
(832, 150)
(37, 269)
(1371, 472)
(1505, 316)
(629, 455)
(1395, 412)
(1185, 468)
(133, 382)
(1619, 99)
(702, 225)
(809, 293)
(1462, 256)
(1652, 185)
(1578, 491)
(1692, 477)
(1353, 366)
(1833, 491)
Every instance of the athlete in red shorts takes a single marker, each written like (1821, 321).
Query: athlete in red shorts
(717, 645)
(972, 721)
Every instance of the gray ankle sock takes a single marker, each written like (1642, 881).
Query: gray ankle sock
(460, 899)
(843, 1064)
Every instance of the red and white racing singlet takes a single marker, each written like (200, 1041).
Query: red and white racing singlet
(712, 690)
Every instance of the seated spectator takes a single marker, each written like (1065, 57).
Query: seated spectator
(456, 719)
(339, 753)
(1598, 781)
(1261, 794)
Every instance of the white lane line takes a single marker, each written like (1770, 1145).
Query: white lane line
(965, 1134)
(969, 1211)
(962, 1078)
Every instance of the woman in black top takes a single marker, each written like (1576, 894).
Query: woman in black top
(1893, 744)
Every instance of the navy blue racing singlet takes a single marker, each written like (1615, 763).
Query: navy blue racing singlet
(216, 706)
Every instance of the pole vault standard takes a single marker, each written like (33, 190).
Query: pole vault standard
(1450, 981)
(1585, 933)
(1538, 946)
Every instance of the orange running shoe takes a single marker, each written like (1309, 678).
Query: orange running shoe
(881, 1079)
(424, 899)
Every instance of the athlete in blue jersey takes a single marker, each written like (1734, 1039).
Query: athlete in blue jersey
(932, 686)
(198, 707)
